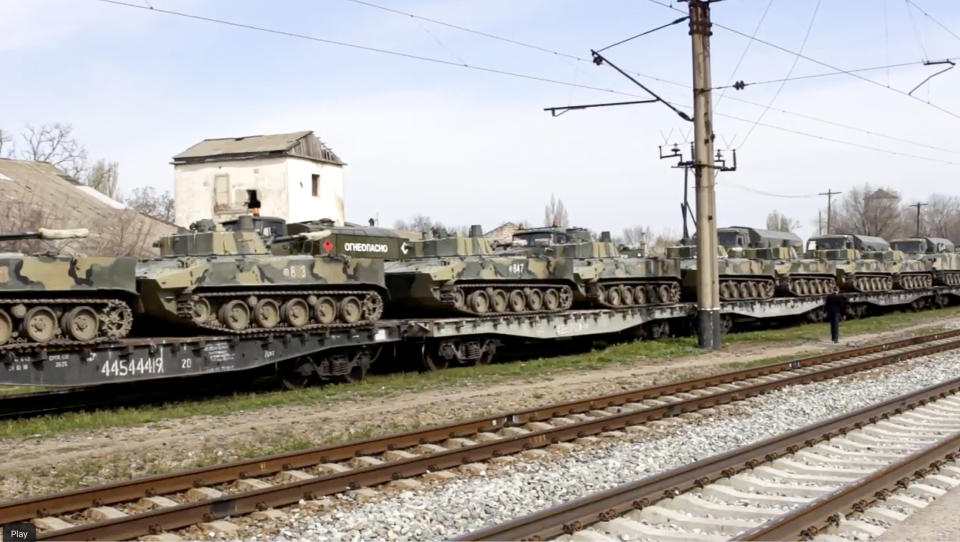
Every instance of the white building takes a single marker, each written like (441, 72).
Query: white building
(294, 176)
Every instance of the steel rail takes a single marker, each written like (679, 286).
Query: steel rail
(22, 509)
(805, 522)
(575, 515)
(182, 515)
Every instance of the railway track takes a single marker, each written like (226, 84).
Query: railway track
(172, 501)
(872, 465)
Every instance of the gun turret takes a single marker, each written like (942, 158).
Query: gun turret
(46, 234)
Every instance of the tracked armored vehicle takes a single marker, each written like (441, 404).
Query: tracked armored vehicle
(54, 298)
(602, 275)
(794, 275)
(863, 263)
(463, 274)
(938, 255)
(227, 278)
(740, 278)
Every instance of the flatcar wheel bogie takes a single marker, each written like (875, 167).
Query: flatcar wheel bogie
(6, 327)
(354, 375)
(235, 315)
(350, 310)
(295, 312)
(325, 310)
(266, 313)
(431, 359)
(499, 300)
(296, 374)
(487, 353)
(551, 299)
(40, 324)
(81, 323)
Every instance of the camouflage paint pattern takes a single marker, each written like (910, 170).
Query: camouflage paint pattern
(856, 256)
(221, 261)
(782, 250)
(936, 255)
(21, 273)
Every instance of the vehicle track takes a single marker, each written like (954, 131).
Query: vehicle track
(788, 487)
(138, 507)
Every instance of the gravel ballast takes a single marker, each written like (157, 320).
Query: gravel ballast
(503, 493)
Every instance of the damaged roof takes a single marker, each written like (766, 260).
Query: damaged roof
(302, 144)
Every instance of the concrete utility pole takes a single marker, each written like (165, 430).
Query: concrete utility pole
(708, 287)
(829, 194)
(918, 205)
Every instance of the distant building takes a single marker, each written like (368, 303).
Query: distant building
(38, 195)
(294, 176)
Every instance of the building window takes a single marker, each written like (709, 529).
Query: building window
(221, 192)
(315, 185)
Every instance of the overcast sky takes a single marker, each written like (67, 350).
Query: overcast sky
(465, 146)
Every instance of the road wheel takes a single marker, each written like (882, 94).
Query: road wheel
(6, 327)
(551, 299)
(612, 296)
(266, 313)
(663, 292)
(640, 295)
(235, 315)
(478, 302)
(534, 299)
(325, 310)
(296, 312)
(626, 295)
(517, 301)
(81, 323)
(200, 310)
(40, 324)
(350, 310)
(498, 300)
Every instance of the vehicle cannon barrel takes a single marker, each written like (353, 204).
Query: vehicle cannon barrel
(46, 234)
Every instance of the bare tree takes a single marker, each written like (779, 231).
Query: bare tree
(104, 177)
(7, 149)
(636, 235)
(150, 202)
(555, 214)
(941, 216)
(870, 211)
(780, 222)
(54, 144)
(420, 223)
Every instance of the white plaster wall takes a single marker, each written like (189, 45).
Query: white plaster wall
(303, 204)
(284, 185)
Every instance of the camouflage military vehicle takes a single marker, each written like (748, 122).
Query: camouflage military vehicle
(463, 274)
(227, 278)
(64, 299)
(602, 276)
(863, 263)
(794, 276)
(740, 278)
(938, 254)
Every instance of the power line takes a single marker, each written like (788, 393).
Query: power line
(932, 18)
(542, 79)
(820, 62)
(684, 85)
(640, 35)
(793, 66)
(367, 48)
(746, 49)
(768, 194)
(741, 84)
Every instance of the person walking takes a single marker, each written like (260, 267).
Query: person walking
(836, 309)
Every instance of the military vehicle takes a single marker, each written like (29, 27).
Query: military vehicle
(938, 254)
(463, 274)
(740, 278)
(53, 298)
(864, 263)
(602, 276)
(228, 278)
(780, 250)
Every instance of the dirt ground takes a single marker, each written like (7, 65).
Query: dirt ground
(938, 521)
(34, 466)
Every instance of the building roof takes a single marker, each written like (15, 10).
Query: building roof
(37, 194)
(298, 144)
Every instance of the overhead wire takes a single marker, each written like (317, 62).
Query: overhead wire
(743, 55)
(819, 62)
(793, 66)
(522, 76)
(743, 84)
(932, 18)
